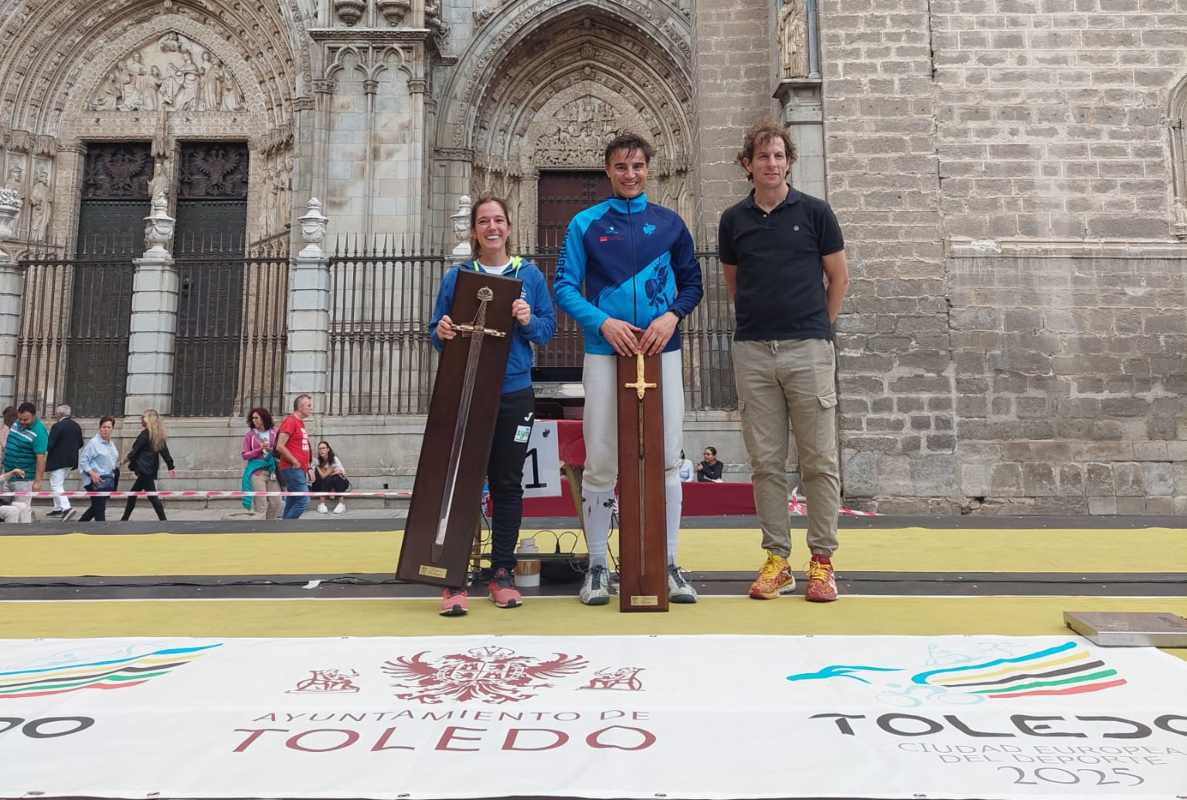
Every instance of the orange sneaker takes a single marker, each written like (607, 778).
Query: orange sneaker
(773, 579)
(822, 584)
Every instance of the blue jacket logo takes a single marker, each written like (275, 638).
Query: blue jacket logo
(655, 286)
(648, 229)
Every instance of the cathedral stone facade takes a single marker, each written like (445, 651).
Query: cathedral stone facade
(1009, 175)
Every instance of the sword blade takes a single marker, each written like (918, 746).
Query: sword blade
(642, 496)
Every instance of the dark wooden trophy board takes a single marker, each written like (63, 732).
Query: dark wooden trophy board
(642, 508)
(422, 558)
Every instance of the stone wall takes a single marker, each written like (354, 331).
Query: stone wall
(1072, 380)
(996, 354)
(894, 346)
(734, 81)
(1051, 115)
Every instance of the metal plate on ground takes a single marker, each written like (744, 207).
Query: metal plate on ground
(1129, 628)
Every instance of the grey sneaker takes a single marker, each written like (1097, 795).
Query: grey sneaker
(594, 591)
(679, 589)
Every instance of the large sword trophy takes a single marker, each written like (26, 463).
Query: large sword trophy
(446, 496)
(642, 509)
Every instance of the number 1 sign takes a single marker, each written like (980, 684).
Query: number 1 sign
(542, 465)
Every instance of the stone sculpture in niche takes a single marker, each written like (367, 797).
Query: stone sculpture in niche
(793, 39)
(171, 74)
(39, 206)
(16, 183)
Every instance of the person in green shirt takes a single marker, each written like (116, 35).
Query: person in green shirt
(26, 447)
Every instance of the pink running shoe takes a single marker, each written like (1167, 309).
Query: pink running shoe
(453, 603)
(502, 590)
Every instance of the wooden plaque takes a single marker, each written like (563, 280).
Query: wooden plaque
(448, 488)
(642, 509)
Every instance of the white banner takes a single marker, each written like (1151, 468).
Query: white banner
(637, 717)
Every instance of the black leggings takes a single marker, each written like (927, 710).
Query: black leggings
(504, 473)
(143, 484)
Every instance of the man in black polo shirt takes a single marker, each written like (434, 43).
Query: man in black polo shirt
(784, 262)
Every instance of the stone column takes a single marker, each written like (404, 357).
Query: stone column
(11, 291)
(307, 355)
(153, 328)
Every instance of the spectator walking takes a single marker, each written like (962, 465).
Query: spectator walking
(25, 449)
(14, 509)
(293, 456)
(259, 473)
(9, 418)
(145, 460)
(329, 476)
(99, 465)
(65, 440)
(709, 470)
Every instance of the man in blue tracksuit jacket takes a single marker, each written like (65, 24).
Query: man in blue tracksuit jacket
(535, 322)
(628, 274)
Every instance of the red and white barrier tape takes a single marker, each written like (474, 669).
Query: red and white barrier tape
(796, 506)
(205, 493)
(800, 508)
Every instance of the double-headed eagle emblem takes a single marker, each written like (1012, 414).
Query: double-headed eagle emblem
(489, 674)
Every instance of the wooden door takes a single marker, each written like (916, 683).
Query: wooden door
(111, 216)
(562, 195)
(209, 249)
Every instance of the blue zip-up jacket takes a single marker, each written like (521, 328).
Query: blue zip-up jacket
(538, 331)
(631, 260)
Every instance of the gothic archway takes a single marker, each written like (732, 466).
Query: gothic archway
(55, 58)
(546, 84)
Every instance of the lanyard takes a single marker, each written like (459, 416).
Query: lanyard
(516, 263)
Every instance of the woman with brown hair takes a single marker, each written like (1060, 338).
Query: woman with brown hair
(145, 460)
(535, 322)
(259, 471)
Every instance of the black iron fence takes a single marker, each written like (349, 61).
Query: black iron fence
(231, 328)
(230, 338)
(382, 360)
(73, 341)
(232, 331)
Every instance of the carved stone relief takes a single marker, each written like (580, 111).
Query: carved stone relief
(579, 132)
(793, 39)
(171, 73)
(119, 170)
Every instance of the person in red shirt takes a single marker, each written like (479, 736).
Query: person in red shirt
(293, 456)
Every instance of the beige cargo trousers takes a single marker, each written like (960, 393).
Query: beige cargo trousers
(791, 380)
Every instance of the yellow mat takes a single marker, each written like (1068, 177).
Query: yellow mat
(899, 550)
(563, 616)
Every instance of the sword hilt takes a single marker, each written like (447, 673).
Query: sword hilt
(466, 330)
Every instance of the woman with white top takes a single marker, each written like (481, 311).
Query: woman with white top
(329, 476)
